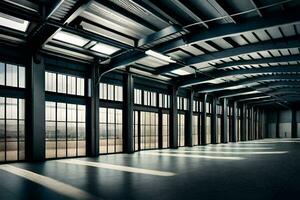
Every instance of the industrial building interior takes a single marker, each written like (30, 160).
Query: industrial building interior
(149, 99)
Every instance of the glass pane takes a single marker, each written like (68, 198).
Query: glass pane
(80, 86)
(81, 139)
(61, 112)
(50, 140)
(71, 139)
(11, 108)
(2, 74)
(71, 84)
(21, 109)
(2, 106)
(50, 111)
(71, 113)
(110, 92)
(12, 75)
(2, 140)
(103, 113)
(21, 140)
(61, 139)
(81, 113)
(21, 77)
(62, 83)
(11, 140)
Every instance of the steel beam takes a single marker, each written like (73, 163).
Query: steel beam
(260, 61)
(224, 86)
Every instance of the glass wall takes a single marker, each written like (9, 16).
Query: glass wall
(165, 131)
(195, 130)
(208, 129)
(111, 132)
(12, 75)
(181, 130)
(149, 130)
(65, 84)
(136, 127)
(65, 130)
(110, 92)
(12, 129)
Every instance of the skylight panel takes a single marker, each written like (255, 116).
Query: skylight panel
(13, 22)
(180, 72)
(70, 38)
(105, 49)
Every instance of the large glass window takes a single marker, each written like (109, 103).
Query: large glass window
(62, 83)
(149, 130)
(181, 130)
(137, 96)
(195, 130)
(150, 98)
(12, 129)
(208, 129)
(12, 75)
(165, 131)
(182, 103)
(111, 92)
(111, 133)
(164, 100)
(65, 130)
(145, 135)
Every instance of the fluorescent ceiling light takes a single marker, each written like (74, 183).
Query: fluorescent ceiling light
(105, 49)
(13, 22)
(70, 38)
(160, 56)
(180, 72)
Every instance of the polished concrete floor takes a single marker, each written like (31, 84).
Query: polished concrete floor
(264, 169)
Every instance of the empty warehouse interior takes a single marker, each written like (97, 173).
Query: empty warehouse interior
(149, 99)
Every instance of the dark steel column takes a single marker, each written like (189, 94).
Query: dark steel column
(243, 123)
(224, 132)
(35, 107)
(203, 121)
(234, 122)
(189, 120)
(128, 141)
(160, 129)
(173, 120)
(294, 123)
(277, 124)
(214, 121)
(93, 114)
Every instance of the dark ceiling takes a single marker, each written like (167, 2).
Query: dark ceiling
(247, 50)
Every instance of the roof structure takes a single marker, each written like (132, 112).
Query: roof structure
(246, 50)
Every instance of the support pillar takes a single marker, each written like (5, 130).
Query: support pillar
(214, 122)
(93, 114)
(189, 120)
(35, 107)
(173, 119)
(224, 132)
(128, 140)
(277, 124)
(234, 122)
(203, 121)
(243, 122)
(294, 124)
